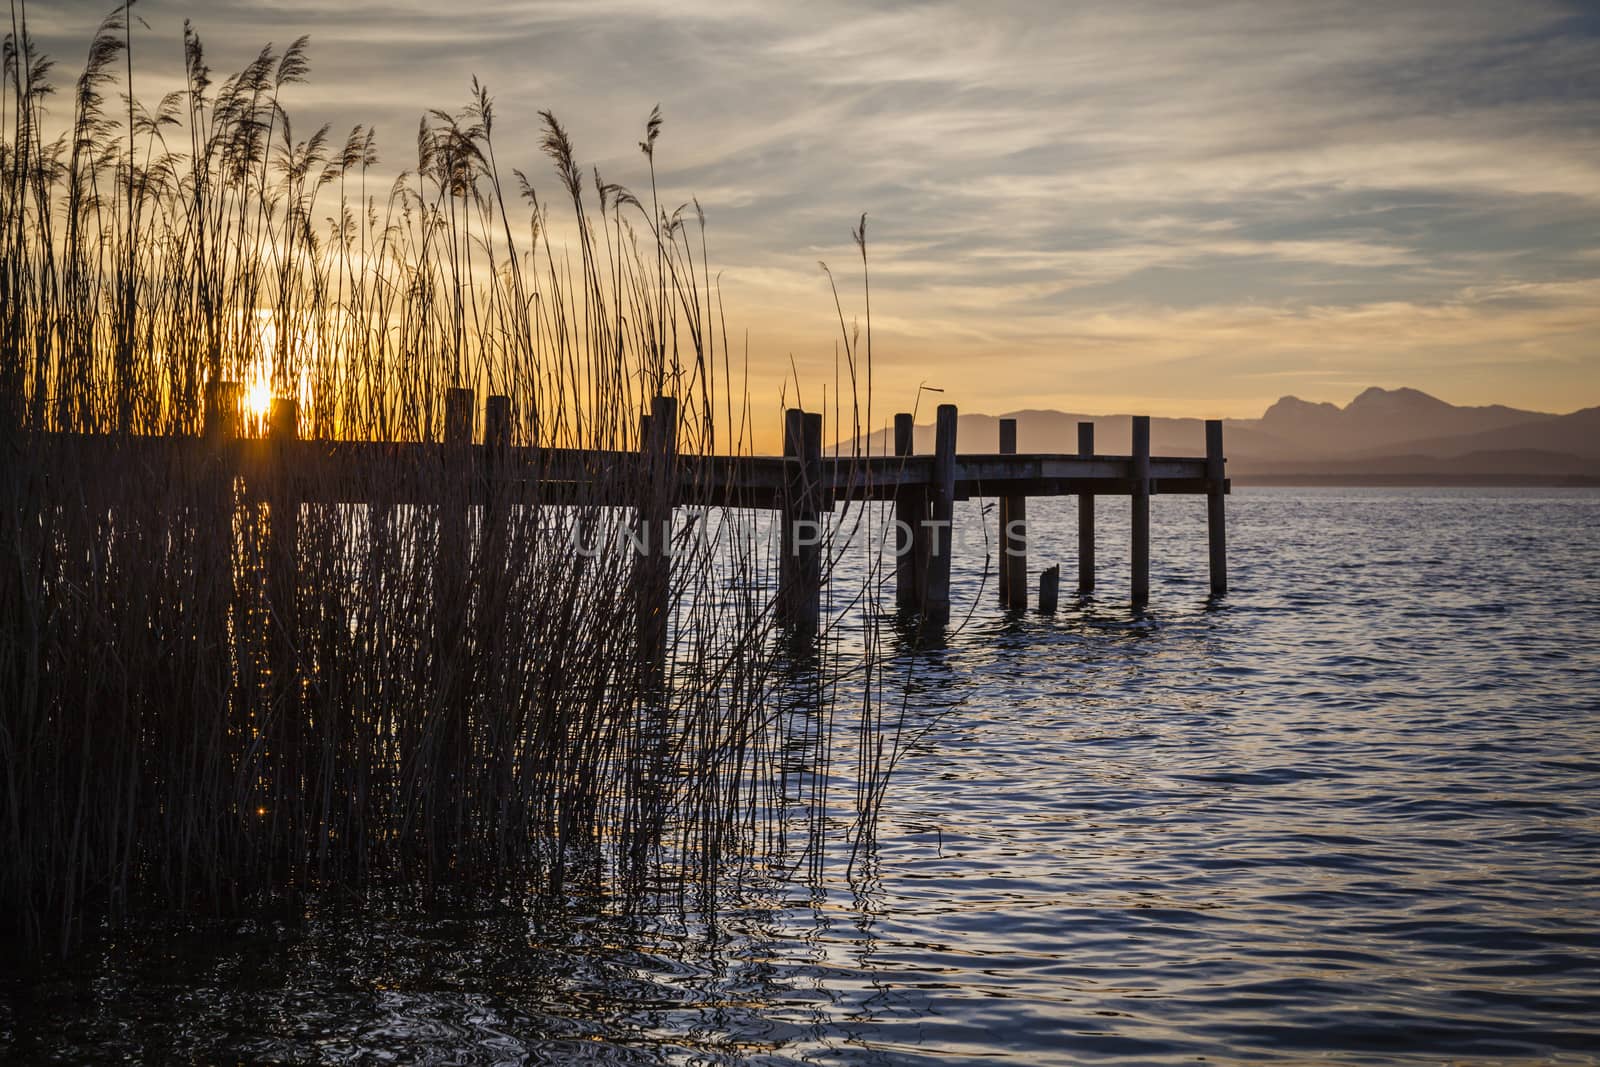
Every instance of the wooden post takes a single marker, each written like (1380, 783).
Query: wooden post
(810, 561)
(451, 593)
(218, 588)
(910, 508)
(1140, 549)
(496, 509)
(1049, 589)
(1085, 516)
(658, 462)
(283, 614)
(941, 513)
(1013, 541)
(450, 575)
(800, 572)
(222, 410)
(1216, 517)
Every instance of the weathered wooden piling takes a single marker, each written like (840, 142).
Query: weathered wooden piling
(800, 539)
(941, 515)
(1140, 526)
(1049, 589)
(1085, 516)
(221, 424)
(497, 483)
(910, 508)
(283, 608)
(658, 446)
(222, 414)
(451, 593)
(450, 575)
(1013, 540)
(1216, 516)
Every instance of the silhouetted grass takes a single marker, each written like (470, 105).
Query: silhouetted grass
(437, 695)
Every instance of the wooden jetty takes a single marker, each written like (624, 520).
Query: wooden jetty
(803, 485)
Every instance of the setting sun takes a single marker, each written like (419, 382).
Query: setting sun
(258, 399)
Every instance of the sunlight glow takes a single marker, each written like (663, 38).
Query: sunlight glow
(258, 399)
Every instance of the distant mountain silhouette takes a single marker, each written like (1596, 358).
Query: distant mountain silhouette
(1383, 436)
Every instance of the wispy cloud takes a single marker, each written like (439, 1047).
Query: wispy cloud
(1192, 204)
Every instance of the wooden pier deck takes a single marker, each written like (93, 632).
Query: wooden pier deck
(803, 485)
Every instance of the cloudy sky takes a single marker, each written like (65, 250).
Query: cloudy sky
(1179, 208)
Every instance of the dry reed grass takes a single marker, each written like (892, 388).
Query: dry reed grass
(437, 695)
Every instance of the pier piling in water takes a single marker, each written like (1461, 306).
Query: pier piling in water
(941, 515)
(1140, 534)
(658, 446)
(800, 568)
(1085, 516)
(1013, 540)
(910, 508)
(1216, 515)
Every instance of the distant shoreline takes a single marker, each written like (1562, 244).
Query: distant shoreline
(1419, 481)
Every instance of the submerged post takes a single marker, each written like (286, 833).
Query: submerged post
(1085, 516)
(1140, 549)
(941, 513)
(1049, 589)
(910, 508)
(1013, 540)
(800, 574)
(1216, 517)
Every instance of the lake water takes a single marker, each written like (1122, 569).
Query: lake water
(1349, 813)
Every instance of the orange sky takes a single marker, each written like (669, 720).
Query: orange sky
(1176, 209)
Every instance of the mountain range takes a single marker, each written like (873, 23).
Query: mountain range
(1383, 436)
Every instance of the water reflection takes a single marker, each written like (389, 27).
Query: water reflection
(1346, 814)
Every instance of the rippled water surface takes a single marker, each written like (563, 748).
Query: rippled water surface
(1351, 812)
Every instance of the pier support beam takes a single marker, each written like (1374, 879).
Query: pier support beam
(1140, 548)
(800, 571)
(1216, 514)
(1085, 516)
(1013, 540)
(941, 513)
(910, 508)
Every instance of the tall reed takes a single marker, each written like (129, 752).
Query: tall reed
(439, 695)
